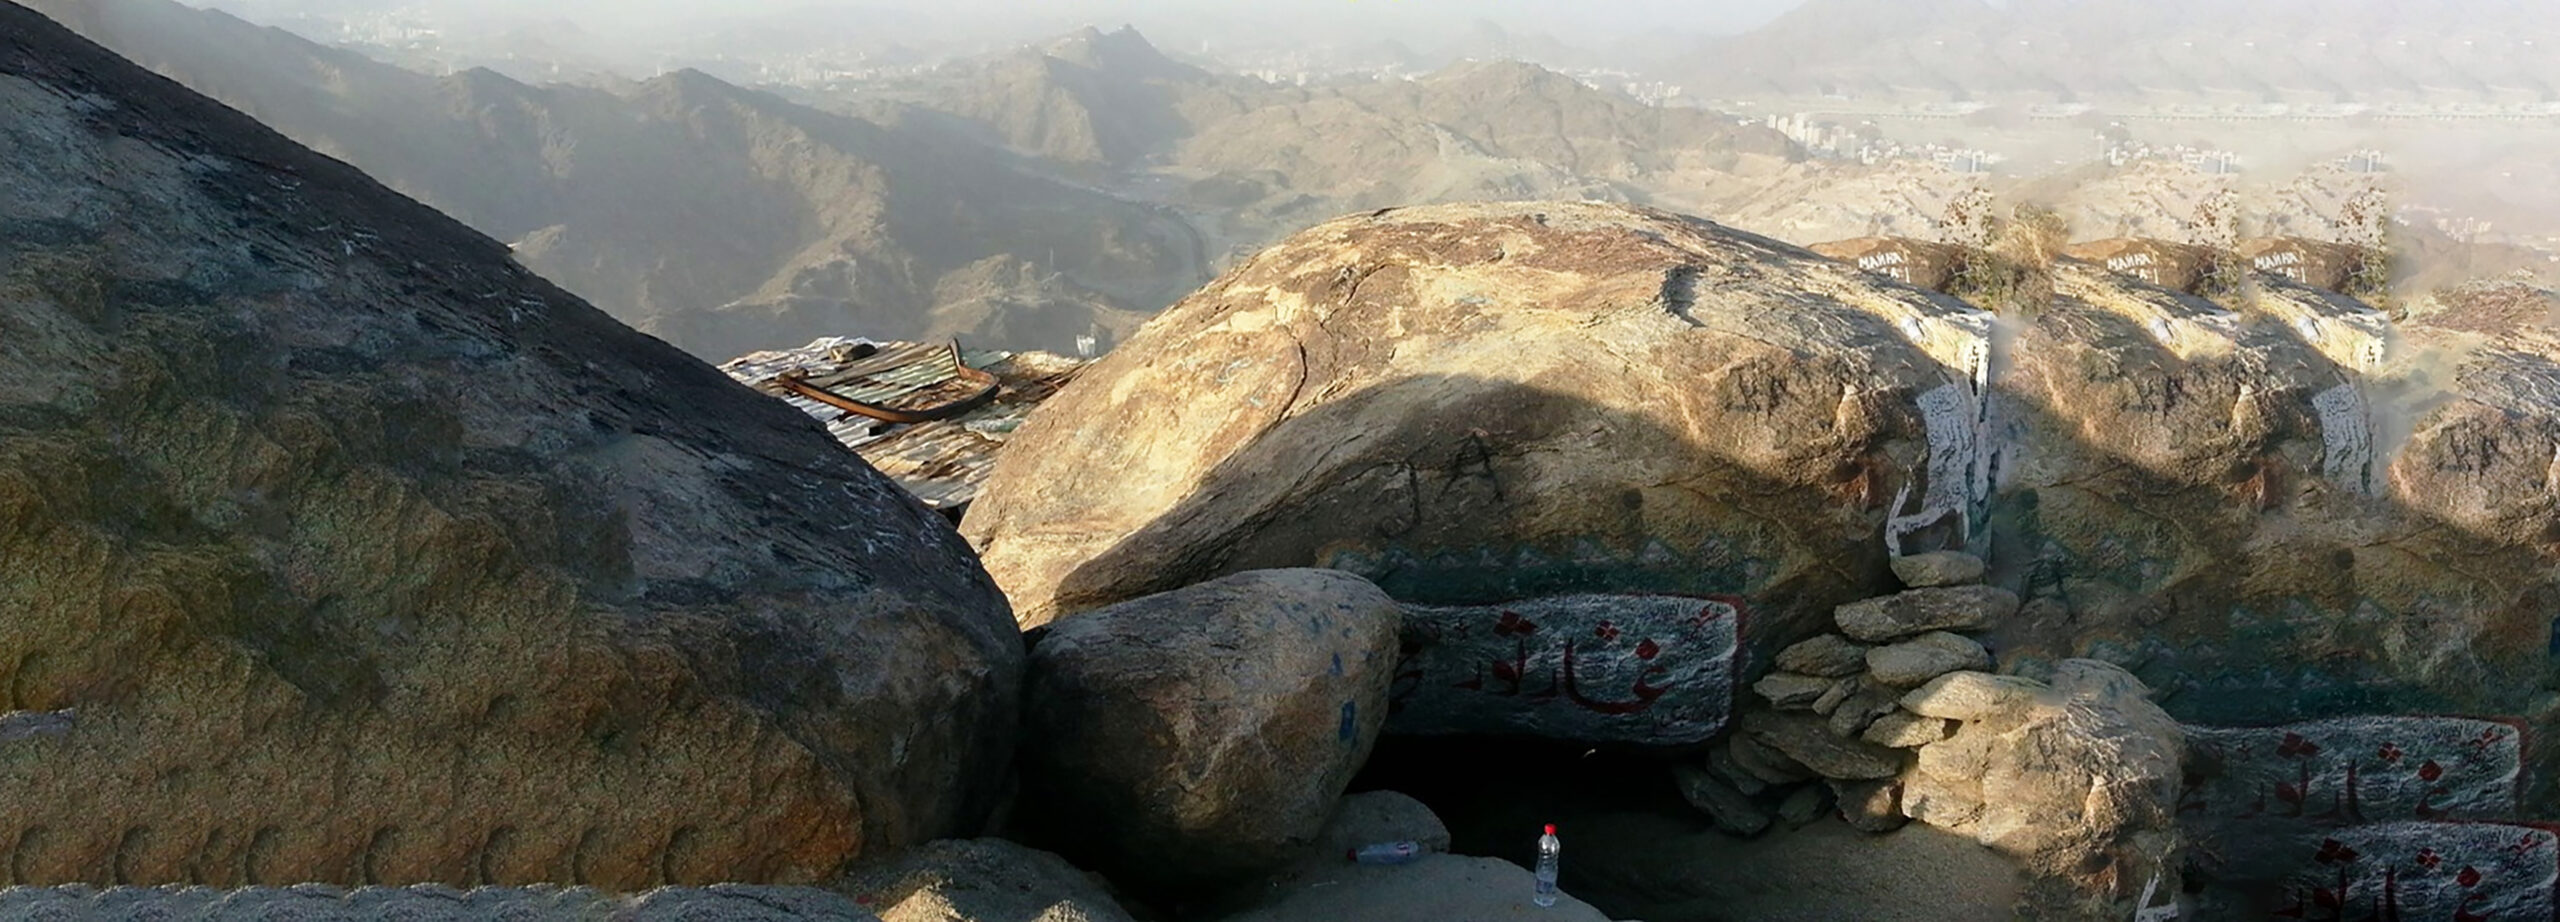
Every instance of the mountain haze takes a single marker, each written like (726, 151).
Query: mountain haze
(719, 218)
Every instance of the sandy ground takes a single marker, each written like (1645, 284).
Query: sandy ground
(1635, 850)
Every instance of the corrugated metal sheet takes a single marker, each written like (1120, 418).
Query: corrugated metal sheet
(942, 462)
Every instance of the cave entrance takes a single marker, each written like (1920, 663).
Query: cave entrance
(1636, 849)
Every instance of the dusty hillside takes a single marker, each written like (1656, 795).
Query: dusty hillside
(719, 218)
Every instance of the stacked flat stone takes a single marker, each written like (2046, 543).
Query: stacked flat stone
(1834, 724)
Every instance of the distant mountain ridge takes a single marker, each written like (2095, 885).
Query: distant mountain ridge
(1050, 197)
(719, 218)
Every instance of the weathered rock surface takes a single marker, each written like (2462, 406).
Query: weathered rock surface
(1479, 403)
(1919, 611)
(2077, 781)
(2262, 805)
(1837, 694)
(1937, 568)
(1788, 691)
(1655, 669)
(428, 903)
(1808, 741)
(1970, 695)
(1827, 655)
(1861, 709)
(1804, 804)
(1870, 806)
(1732, 810)
(1200, 736)
(2228, 494)
(362, 555)
(1916, 661)
(1725, 765)
(1904, 730)
(2220, 495)
(978, 880)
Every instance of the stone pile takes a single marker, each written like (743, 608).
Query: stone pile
(1835, 730)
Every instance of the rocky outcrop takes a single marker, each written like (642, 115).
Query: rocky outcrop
(342, 549)
(1475, 405)
(1201, 736)
(2280, 506)
(979, 880)
(2077, 780)
(429, 903)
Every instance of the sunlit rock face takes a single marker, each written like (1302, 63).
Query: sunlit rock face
(1477, 405)
(2274, 504)
(335, 547)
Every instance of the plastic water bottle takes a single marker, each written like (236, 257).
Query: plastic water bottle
(1549, 854)
(1387, 853)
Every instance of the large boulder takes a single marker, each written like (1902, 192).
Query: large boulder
(1478, 404)
(2076, 780)
(336, 547)
(979, 880)
(1198, 737)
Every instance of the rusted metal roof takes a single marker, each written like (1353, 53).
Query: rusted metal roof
(942, 461)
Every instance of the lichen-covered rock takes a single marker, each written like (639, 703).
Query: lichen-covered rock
(1937, 568)
(428, 903)
(363, 555)
(2077, 781)
(1477, 403)
(1197, 737)
(1918, 611)
(978, 880)
(1916, 661)
(1829, 655)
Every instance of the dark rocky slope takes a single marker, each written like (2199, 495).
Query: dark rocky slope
(338, 547)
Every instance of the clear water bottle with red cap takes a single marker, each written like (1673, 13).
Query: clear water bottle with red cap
(1550, 852)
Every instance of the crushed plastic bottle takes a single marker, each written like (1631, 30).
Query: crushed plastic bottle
(1387, 853)
(1550, 853)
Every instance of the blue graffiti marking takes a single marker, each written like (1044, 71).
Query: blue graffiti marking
(1350, 721)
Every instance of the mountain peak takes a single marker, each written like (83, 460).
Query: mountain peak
(1121, 51)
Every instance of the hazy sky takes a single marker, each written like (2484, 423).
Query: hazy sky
(1578, 21)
